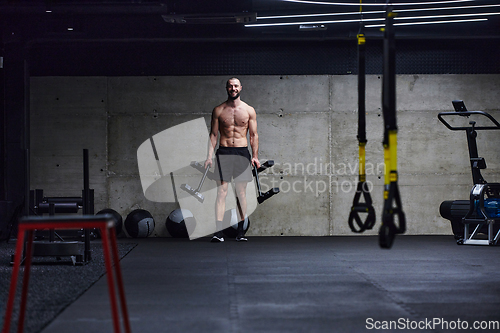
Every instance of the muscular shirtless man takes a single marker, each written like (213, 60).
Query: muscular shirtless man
(233, 119)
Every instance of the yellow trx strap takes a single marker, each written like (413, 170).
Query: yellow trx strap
(355, 222)
(392, 201)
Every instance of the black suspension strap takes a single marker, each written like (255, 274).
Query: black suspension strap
(355, 222)
(392, 199)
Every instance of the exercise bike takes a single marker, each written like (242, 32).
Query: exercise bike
(481, 213)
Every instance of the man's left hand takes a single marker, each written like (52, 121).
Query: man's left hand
(256, 163)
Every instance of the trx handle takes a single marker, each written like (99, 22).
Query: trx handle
(358, 208)
(362, 188)
(392, 199)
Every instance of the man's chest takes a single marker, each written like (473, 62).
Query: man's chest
(234, 117)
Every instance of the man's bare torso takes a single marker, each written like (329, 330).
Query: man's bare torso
(233, 124)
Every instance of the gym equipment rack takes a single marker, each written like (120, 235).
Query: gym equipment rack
(39, 205)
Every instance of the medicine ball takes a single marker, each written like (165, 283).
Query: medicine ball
(179, 222)
(117, 217)
(139, 223)
(231, 217)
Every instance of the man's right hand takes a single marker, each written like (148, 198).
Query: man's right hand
(208, 163)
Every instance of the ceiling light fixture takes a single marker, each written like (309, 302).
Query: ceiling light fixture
(313, 22)
(427, 22)
(312, 27)
(372, 12)
(316, 15)
(443, 16)
(374, 19)
(443, 8)
(376, 4)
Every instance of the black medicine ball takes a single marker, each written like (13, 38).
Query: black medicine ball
(139, 223)
(178, 223)
(231, 217)
(117, 217)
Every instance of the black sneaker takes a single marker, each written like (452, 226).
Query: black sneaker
(217, 239)
(241, 238)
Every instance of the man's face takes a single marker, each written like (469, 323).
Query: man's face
(233, 88)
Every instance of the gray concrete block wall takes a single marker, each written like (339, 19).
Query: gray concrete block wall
(67, 116)
(307, 124)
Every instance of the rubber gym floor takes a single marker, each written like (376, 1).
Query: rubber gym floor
(298, 284)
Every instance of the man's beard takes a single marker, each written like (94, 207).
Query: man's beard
(233, 97)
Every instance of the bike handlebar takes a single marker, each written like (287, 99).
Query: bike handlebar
(466, 114)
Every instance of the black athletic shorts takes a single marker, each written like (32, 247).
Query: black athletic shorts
(233, 163)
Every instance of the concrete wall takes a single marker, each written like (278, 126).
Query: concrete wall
(307, 124)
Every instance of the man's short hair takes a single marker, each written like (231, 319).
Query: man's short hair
(233, 78)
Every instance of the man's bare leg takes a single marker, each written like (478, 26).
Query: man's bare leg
(241, 201)
(220, 203)
(220, 206)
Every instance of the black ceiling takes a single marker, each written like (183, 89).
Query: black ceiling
(43, 20)
(201, 37)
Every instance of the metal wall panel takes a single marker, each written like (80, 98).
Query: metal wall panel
(261, 58)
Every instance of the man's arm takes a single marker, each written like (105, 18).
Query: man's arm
(212, 140)
(254, 137)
